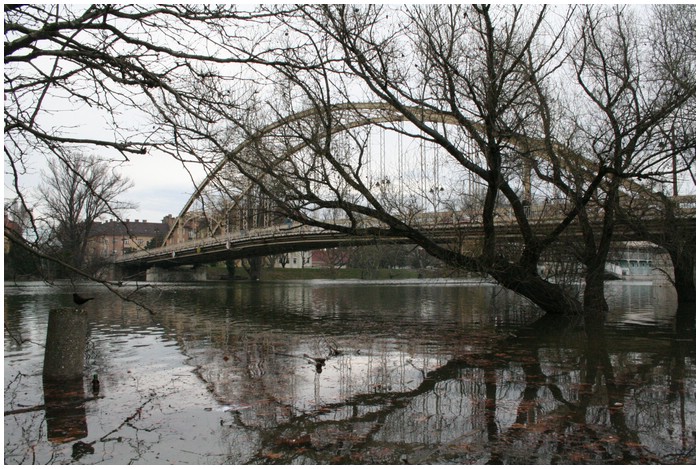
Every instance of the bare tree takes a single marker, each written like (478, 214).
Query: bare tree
(488, 86)
(491, 87)
(673, 33)
(79, 78)
(334, 259)
(465, 80)
(639, 90)
(74, 195)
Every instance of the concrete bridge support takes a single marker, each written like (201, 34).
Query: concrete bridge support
(177, 274)
(64, 363)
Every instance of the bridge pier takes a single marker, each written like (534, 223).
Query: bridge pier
(177, 274)
(254, 268)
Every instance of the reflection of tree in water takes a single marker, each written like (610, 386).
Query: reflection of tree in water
(535, 398)
(512, 405)
(539, 397)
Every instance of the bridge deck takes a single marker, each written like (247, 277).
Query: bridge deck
(290, 238)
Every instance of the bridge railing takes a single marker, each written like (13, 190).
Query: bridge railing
(551, 211)
(429, 221)
(277, 231)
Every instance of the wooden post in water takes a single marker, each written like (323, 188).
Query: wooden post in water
(64, 358)
(64, 362)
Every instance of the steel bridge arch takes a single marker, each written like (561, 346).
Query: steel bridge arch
(387, 114)
(362, 111)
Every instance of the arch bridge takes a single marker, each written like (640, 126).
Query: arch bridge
(289, 237)
(229, 217)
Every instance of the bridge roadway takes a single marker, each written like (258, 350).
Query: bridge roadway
(291, 238)
(245, 243)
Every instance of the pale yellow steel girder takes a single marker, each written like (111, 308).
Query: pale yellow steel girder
(363, 120)
(389, 114)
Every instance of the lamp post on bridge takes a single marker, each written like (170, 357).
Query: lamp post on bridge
(435, 192)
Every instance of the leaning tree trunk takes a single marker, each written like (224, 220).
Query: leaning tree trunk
(552, 298)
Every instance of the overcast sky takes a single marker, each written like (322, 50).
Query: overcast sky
(161, 185)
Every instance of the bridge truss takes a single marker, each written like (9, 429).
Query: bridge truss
(385, 157)
(385, 160)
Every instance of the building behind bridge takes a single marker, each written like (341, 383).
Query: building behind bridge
(15, 228)
(117, 237)
(640, 259)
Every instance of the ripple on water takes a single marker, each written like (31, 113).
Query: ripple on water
(395, 386)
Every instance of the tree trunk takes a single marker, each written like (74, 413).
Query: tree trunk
(552, 298)
(680, 244)
(255, 268)
(684, 272)
(231, 268)
(594, 291)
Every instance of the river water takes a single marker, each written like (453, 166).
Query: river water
(438, 371)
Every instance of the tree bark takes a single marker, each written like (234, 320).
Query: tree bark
(594, 291)
(683, 258)
(552, 298)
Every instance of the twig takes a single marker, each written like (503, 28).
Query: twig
(41, 407)
(12, 236)
(12, 336)
(136, 413)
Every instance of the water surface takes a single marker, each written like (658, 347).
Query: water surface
(442, 371)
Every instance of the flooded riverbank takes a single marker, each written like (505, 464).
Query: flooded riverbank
(354, 372)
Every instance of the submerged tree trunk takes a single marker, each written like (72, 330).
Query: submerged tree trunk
(679, 241)
(675, 236)
(594, 292)
(684, 272)
(554, 299)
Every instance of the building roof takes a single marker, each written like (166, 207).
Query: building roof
(132, 228)
(12, 226)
